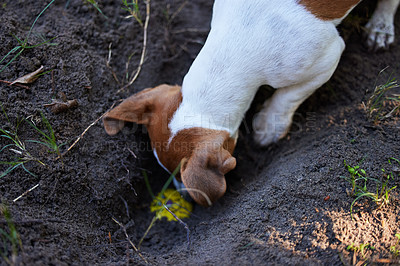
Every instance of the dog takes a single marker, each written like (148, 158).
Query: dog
(291, 45)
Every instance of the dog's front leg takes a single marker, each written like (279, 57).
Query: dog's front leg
(274, 120)
(380, 28)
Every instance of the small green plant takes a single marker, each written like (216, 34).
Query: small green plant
(9, 237)
(23, 44)
(396, 248)
(362, 248)
(379, 106)
(49, 139)
(359, 175)
(133, 10)
(18, 146)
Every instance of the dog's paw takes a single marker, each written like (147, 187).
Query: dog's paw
(269, 128)
(265, 139)
(379, 34)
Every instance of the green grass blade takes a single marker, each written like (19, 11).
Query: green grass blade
(146, 180)
(6, 147)
(170, 179)
(46, 137)
(48, 126)
(392, 158)
(9, 62)
(34, 22)
(9, 170)
(93, 3)
(48, 145)
(26, 170)
(10, 52)
(42, 43)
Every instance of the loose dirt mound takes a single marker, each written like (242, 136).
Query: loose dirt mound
(286, 204)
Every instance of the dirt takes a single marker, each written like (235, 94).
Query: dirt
(286, 204)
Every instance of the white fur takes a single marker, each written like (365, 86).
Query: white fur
(252, 43)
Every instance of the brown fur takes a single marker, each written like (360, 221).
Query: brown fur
(329, 9)
(205, 154)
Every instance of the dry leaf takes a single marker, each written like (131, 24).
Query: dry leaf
(61, 105)
(28, 78)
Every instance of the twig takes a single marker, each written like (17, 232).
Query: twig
(26, 192)
(53, 87)
(109, 66)
(178, 11)
(137, 71)
(130, 242)
(133, 154)
(147, 230)
(126, 206)
(84, 132)
(15, 84)
(182, 223)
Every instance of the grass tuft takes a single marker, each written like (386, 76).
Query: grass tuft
(23, 44)
(18, 147)
(395, 249)
(133, 9)
(362, 248)
(359, 182)
(49, 139)
(379, 106)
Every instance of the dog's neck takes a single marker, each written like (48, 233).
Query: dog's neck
(220, 100)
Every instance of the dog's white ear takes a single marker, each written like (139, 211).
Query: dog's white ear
(203, 174)
(137, 108)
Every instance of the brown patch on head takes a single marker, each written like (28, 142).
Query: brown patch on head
(328, 9)
(206, 154)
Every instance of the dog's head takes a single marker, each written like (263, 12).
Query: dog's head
(205, 154)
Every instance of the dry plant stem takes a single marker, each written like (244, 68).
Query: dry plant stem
(84, 132)
(26, 192)
(137, 71)
(131, 152)
(147, 230)
(130, 242)
(53, 87)
(109, 66)
(16, 84)
(182, 223)
(178, 11)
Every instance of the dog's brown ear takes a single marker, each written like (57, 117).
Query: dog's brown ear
(203, 174)
(137, 108)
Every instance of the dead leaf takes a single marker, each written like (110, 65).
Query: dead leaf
(62, 104)
(59, 107)
(29, 78)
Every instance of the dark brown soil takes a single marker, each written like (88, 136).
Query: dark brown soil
(286, 204)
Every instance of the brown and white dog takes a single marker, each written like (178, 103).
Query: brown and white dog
(291, 45)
